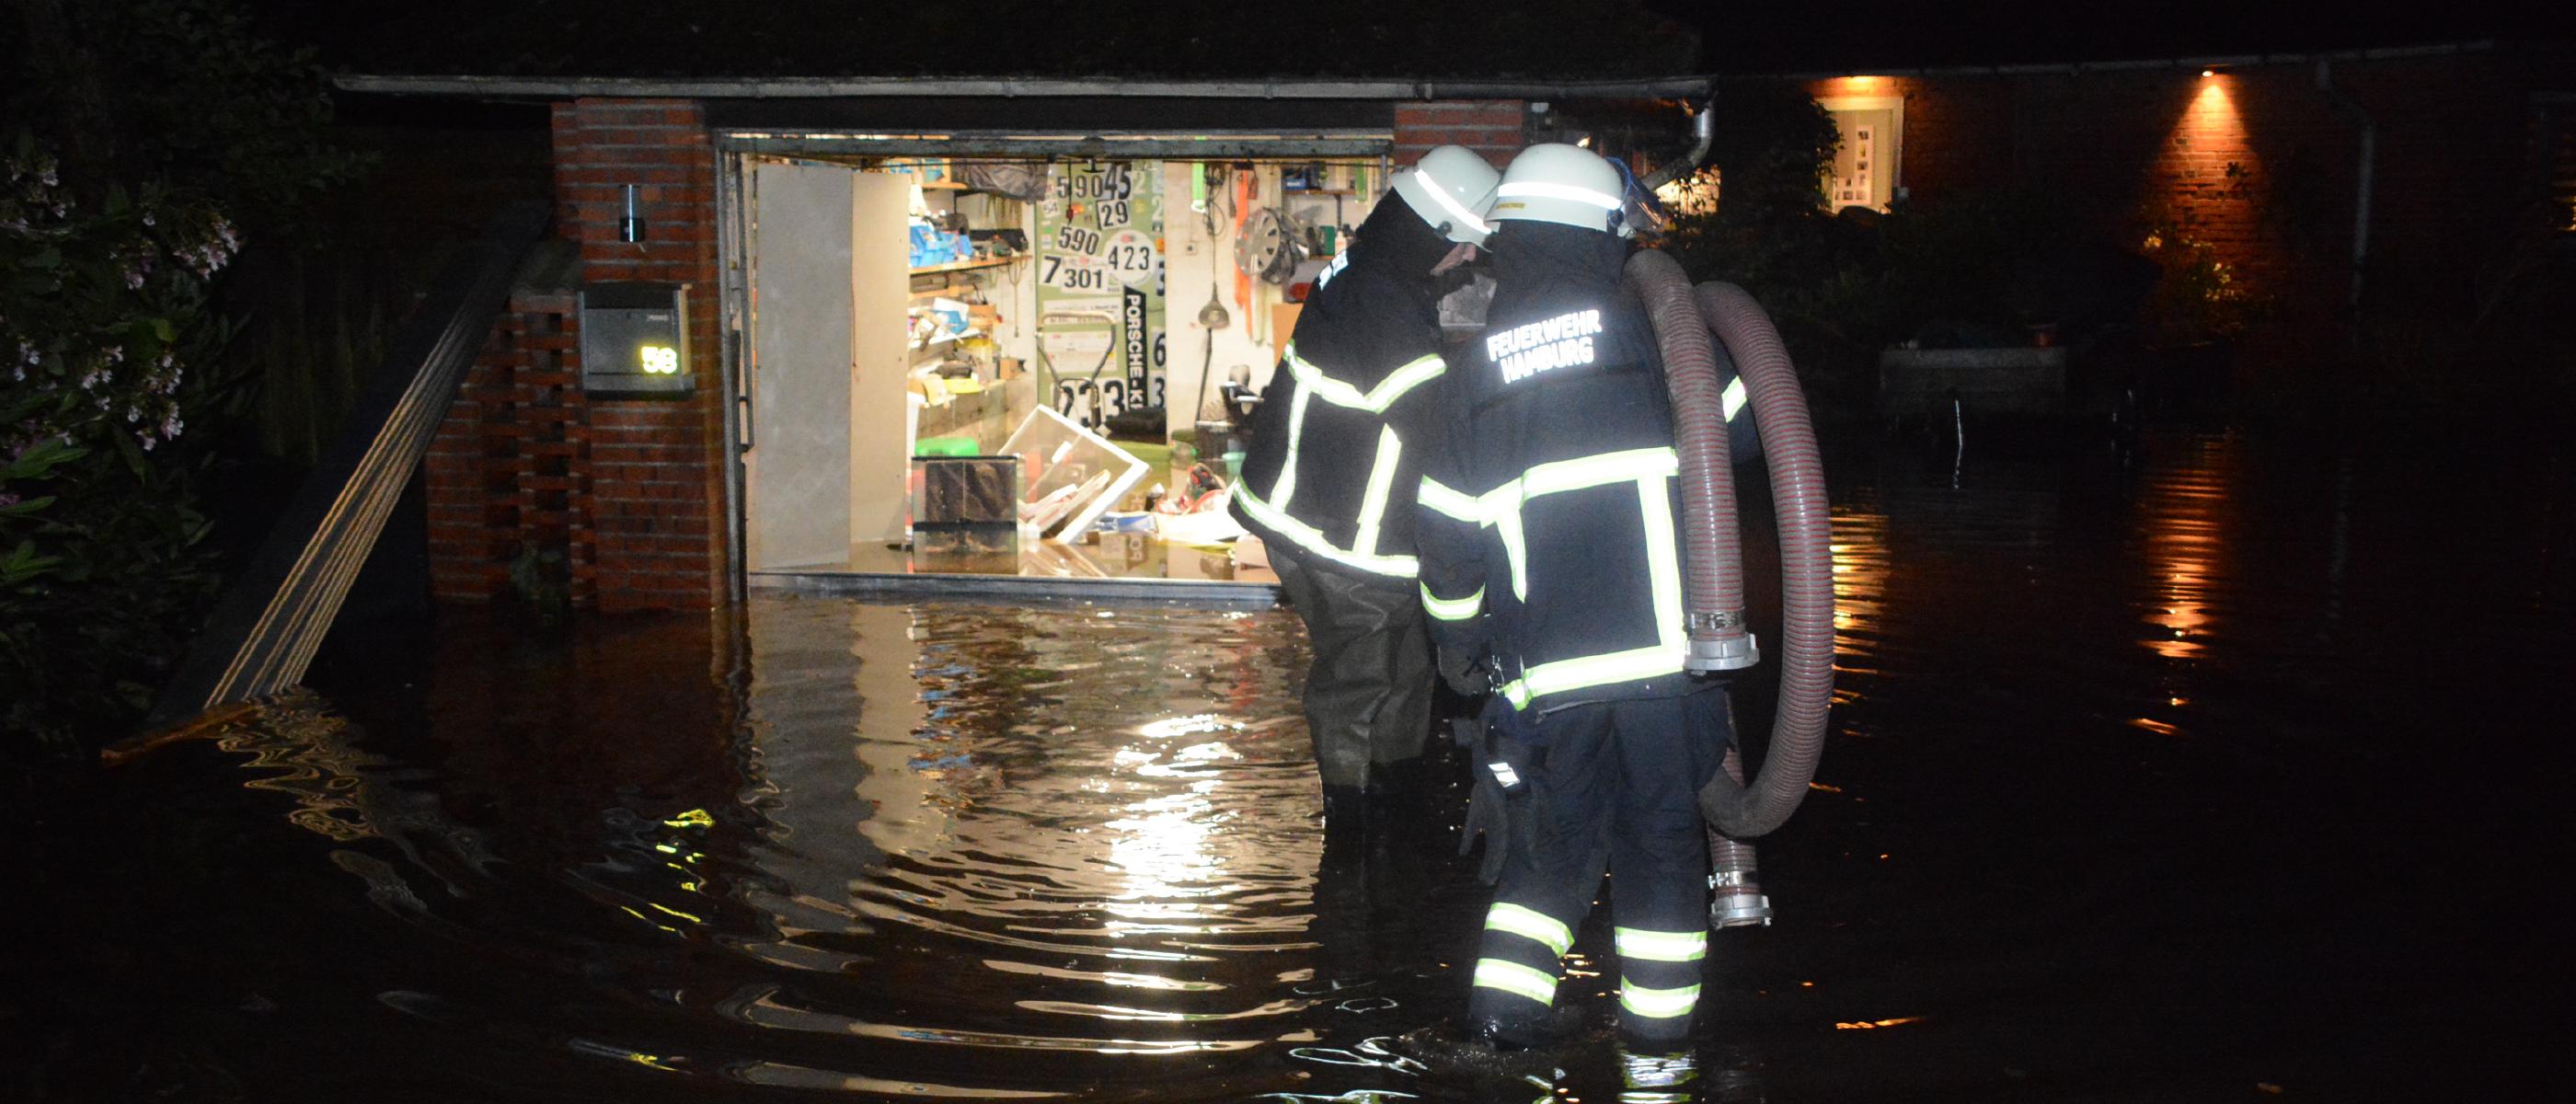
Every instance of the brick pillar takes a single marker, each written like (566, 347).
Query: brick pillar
(1489, 127)
(656, 477)
(627, 493)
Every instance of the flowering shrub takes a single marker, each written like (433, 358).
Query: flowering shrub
(103, 320)
(2198, 298)
(140, 134)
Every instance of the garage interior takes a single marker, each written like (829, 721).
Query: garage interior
(1025, 360)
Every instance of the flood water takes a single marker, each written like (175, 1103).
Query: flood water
(2230, 773)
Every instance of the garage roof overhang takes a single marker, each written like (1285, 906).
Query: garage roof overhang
(1196, 129)
(1041, 117)
(1006, 88)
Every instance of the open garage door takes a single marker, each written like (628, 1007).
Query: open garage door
(826, 367)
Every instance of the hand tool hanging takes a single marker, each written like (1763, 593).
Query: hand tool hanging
(1243, 179)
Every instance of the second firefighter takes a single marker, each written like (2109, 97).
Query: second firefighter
(1337, 448)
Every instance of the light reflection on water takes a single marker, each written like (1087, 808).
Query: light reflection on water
(941, 855)
(2180, 523)
(1125, 851)
(950, 851)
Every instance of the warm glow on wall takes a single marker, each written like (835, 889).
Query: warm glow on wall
(2209, 162)
(2214, 111)
(2212, 123)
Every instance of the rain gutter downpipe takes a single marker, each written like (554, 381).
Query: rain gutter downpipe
(1703, 134)
(2368, 130)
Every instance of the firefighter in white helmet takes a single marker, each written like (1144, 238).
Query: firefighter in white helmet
(1551, 556)
(1336, 450)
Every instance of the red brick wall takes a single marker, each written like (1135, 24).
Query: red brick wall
(468, 523)
(506, 470)
(630, 491)
(656, 488)
(1489, 127)
(2123, 150)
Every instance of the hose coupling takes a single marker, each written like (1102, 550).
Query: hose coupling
(1725, 653)
(1739, 900)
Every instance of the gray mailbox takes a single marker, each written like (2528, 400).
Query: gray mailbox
(635, 340)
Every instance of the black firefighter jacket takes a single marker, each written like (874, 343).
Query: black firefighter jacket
(1550, 514)
(1338, 442)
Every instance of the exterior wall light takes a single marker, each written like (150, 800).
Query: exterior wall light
(631, 227)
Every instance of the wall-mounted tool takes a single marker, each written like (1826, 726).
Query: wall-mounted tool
(1271, 246)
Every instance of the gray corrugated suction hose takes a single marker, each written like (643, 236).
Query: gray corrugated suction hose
(1712, 544)
(1806, 565)
(1735, 897)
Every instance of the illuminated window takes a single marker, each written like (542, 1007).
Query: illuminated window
(1873, 139)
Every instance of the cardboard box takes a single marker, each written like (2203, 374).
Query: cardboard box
(1283, 321)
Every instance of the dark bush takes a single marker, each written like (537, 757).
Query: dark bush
(154, 131)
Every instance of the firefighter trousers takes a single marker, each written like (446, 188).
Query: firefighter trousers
(1617, 786)
(1368, 692)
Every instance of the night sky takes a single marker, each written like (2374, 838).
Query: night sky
(1859, 34)
(1384, 37)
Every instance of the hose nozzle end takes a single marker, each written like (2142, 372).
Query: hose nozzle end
(1726, 653)
(1736, 899)
(1740, 910)
(1739, 901)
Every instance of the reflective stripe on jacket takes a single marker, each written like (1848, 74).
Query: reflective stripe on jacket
(1342, 432)
(1352, 535)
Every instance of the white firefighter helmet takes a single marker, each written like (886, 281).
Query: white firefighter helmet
(1450, 187)
(1564, 184)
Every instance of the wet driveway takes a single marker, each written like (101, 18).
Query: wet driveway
(2227, 774)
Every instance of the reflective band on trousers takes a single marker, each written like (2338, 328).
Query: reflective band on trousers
(1653, 1003)
(1658, 946)
(1445, 609)
(1733, 399)
(1512, 977)
(1531, 924)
